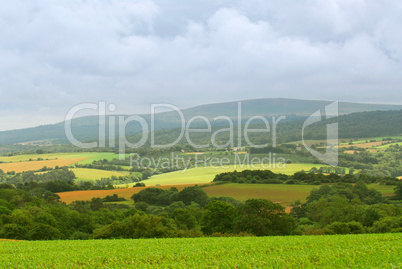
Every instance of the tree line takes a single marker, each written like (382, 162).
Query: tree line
(313, 177)
(338, 209)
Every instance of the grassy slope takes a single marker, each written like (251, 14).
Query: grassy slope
(334, 251)
(206, 174)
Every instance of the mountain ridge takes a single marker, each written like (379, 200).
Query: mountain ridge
(86, 127)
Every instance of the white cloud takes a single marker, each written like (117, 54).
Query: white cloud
(56, 54)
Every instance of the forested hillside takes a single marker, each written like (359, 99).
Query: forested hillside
(356, 125)
(87, 128)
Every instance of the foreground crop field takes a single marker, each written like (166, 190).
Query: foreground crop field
(340, 251)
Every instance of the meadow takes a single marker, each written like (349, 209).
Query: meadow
(329, 251)
(200, 175)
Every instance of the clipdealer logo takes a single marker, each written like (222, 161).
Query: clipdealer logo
(236, 129)
(331, 155)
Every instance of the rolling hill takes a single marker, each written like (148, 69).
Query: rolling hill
(86, 128)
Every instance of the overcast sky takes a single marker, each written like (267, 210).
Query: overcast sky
(56, 54)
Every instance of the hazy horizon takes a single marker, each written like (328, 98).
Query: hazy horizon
(78, 115)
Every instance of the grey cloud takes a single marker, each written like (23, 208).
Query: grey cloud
(132, 53)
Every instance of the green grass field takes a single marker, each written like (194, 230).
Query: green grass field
(201, 175)
(387, 146)
(333, 251)
(281, 193)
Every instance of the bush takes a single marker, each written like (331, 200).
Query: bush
(44, 232)
(142, 206)
(355, 227)
(337, 227)
(80, 236)
(14, 231)
(388, 225)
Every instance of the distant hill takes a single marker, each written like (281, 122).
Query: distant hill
(355, 125)
(86, 128)
(360, 125)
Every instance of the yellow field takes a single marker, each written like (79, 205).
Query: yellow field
(93, 174)
(365, 145)
(35, 165)
(372, 150)
(68, 197)
(20, 163)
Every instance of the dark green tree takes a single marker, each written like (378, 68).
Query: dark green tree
(262, 217)
(218, 217)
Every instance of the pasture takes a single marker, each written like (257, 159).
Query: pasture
(201, 175)
(328, 251)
